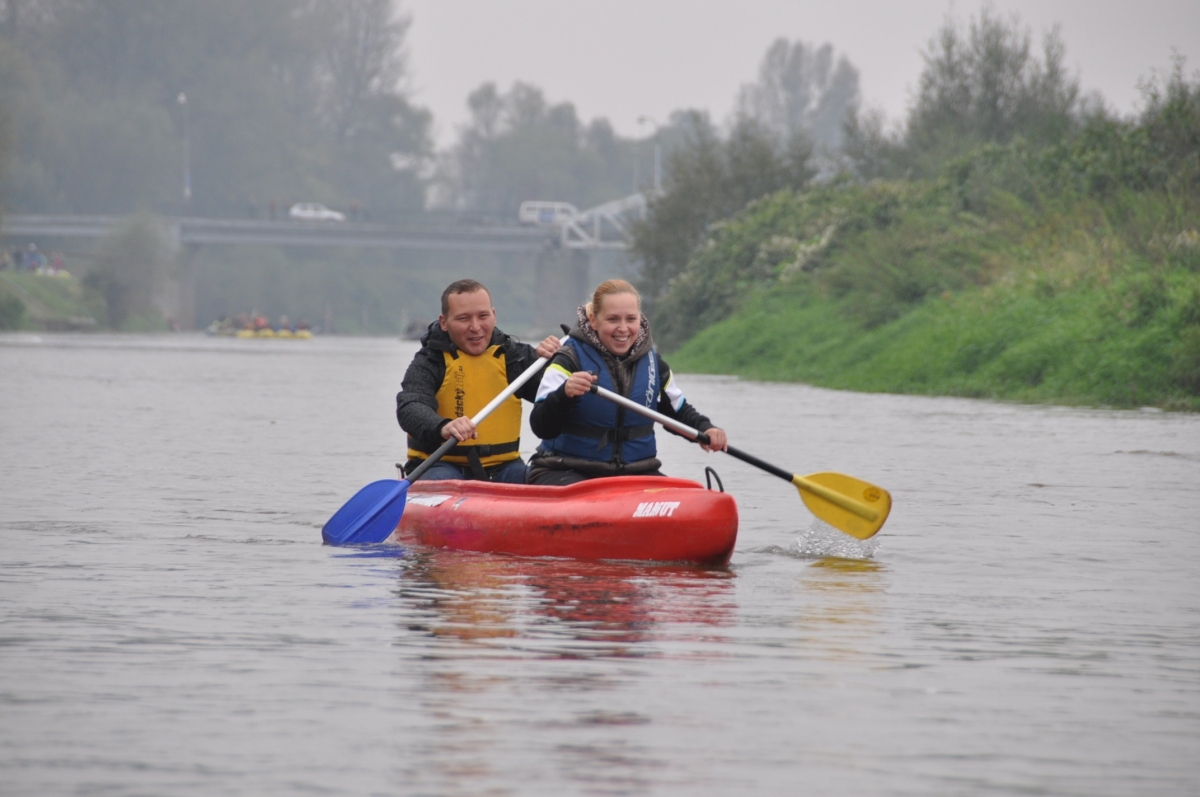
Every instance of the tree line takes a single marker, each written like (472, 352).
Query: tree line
(282, 100)
(286, 100)
(983, 82)
(277, 100)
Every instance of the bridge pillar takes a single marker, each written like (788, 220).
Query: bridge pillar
(561, 286)
(178, 299)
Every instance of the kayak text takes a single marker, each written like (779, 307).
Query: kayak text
(656, 509)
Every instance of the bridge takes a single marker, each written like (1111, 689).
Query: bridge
(196, 232)
(558, 250)
(603, 227)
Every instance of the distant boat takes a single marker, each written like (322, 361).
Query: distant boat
(217, 329)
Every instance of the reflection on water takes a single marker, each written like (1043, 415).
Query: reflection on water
(838, 602)
(469, 614)
(557, 607)
(839, 565)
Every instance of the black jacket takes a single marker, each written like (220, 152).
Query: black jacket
(416, 403)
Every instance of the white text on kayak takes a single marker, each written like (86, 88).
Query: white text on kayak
(656, 509)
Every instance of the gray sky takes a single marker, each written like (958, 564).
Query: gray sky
(623, 59)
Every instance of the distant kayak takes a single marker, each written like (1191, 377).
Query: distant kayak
(299, 334)
(245, 327)
(640, 518)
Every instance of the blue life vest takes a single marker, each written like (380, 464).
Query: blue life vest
(600, 430)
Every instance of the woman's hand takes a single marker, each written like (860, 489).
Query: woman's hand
(717, 441)
(579, 383)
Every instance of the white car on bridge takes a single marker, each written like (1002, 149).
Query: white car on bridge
(314, 211)
(546, 214)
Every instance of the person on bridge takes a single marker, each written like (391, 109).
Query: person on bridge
(465, 362)
(584, 435)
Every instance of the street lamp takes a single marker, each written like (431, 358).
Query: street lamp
(657, 152)
(187, 146)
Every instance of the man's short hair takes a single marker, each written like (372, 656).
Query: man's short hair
(461, 286)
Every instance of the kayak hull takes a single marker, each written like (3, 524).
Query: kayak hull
(639, 518)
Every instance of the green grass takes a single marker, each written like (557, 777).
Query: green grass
(1065, 274)
(63, 303)
(1011, 340)
(51, 302)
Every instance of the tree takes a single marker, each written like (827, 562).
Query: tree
(365, 59)
(285, 99)
(6, 116)
(26, 16)
(383, 142)
(518, 146)
(1171, 119)
(980, 84)
(802, 88)
(869, 148)
(132, 266)
(708, 179)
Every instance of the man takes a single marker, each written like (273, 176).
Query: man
(464, 363)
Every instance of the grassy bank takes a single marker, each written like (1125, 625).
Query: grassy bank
(1065, 274)
(1065, 271)
(62, 303)
(44, 302)
(1093, 302)
(1088, 345)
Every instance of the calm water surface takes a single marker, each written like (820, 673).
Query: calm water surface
(1028, 622)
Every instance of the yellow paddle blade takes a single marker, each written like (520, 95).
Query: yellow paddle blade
(844, 502)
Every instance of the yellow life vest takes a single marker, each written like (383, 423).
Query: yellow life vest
(470, 383)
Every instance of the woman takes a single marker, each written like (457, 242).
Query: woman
(585, 436)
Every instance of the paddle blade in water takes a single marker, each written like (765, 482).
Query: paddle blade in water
(844, 502)
(370, 516)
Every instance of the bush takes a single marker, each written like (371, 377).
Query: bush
(132, 267)
(1117, 190)
(12, 311)
(982, 83)
(1185, 361)
(708, 179)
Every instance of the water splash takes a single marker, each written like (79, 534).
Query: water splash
(822, 540)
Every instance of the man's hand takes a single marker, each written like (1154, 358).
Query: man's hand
(717, 441)
(548, 347)
(579, 383)
(460, 428)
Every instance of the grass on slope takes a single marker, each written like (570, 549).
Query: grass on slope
(61, 302)
(1133, 342)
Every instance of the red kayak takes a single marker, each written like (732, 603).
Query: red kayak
(642, 518)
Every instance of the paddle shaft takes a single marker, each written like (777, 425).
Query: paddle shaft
(679, 426)
(505, 394)
(832, 496)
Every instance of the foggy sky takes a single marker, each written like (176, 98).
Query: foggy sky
(622, 59)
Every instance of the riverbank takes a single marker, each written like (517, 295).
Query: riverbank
(1092, 304)
(992, 282)
(1065, 273)
(47, 302)
(61, 302)
(1024, 341)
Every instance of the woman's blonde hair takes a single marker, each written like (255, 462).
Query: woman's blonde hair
(610, 288)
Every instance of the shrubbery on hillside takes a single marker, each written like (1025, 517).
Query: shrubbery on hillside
(12, 311)
(1101, 228)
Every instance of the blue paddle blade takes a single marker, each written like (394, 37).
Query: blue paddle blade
(370, 516)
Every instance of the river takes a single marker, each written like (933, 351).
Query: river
(1027, 622)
